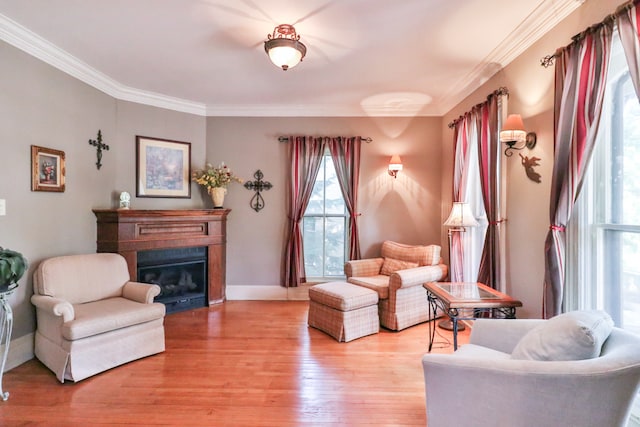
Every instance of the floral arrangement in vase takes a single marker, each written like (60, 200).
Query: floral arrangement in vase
(215, 180)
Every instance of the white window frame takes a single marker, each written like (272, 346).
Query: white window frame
(589, 264)
(327, 160)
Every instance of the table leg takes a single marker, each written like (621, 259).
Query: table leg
(432, 318)
(454, 320)
(6, 324)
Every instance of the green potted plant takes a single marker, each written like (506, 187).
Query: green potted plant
(12, 267)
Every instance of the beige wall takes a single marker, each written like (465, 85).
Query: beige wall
(531, 95)
(406, 209)
(43, 106)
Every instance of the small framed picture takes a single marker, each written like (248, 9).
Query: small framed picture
(47, 169)
(163, 168)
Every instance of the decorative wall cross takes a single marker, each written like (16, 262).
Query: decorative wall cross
(257, 202)
(99, 147)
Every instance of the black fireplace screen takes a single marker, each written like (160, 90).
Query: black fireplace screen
(181, 274)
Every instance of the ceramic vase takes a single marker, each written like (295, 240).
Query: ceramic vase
(217, 195)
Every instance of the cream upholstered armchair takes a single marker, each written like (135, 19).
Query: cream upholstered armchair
(91, 317)
(398, 275)
(530, 373)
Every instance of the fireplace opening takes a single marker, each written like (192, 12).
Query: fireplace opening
(181, 274)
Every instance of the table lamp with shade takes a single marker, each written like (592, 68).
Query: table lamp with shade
(459, 218)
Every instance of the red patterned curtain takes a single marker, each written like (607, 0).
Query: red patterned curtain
(462, 136)
(628, 18)
(581, 71)
(345, 153)
(489, 155)
(306, 156)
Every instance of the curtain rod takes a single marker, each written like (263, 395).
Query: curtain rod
(498, 92)
(364, 138)
(549, 60)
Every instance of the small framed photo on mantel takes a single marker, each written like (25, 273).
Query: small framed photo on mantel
(47, 169)
(163, 168)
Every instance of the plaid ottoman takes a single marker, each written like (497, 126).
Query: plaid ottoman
(343, 310)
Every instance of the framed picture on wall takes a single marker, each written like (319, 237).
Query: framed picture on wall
(47, 169)
(163, 168)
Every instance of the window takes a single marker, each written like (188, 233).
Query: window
(325, 224)
(473, 237)
(604, 231)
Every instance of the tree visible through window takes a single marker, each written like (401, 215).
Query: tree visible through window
(325, 225)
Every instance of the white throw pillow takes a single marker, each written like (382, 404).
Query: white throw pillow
(575, 335)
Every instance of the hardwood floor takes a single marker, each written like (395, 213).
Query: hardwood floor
(241, 363)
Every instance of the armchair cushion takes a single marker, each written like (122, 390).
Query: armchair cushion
(391, 265)
(378, 283)
(109, 314)
(575, 335)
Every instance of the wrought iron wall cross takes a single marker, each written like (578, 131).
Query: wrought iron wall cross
(99, 147)
(257, 202)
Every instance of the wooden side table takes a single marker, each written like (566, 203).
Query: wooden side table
(453, 296)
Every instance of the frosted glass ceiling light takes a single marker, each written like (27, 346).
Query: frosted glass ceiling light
(284, 47)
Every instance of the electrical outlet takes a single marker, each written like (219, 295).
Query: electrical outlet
(3, 207)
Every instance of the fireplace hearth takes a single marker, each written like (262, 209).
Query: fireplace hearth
(181, 274)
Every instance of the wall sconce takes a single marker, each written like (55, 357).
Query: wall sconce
(395, 165)
(515, 136)
(284, 47)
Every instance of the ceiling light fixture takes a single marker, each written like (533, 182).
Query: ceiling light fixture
(284, 47)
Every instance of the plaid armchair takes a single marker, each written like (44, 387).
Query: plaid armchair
(397, 276)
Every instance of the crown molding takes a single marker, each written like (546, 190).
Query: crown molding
(316, 110)
(31, 43)
(546, 16)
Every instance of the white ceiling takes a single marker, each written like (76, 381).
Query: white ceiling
(364, 57)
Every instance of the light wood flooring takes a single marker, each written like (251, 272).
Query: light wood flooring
(241, 363)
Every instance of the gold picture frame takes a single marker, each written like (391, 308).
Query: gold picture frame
(163, 168)
(47, 169)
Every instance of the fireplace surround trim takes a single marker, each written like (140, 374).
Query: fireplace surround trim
(127, 231)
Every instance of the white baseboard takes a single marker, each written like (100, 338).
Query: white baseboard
(267, 293)
(20, 351)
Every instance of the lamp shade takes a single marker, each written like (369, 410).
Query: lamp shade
(461, 216)
(513, 129)
(395, 164)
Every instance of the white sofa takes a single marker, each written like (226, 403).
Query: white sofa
(91, 317)
(397, 276)
(481, 384)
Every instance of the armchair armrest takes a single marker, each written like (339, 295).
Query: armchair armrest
(417, 276)
(54, 306)
(363, 267)
(140, 292)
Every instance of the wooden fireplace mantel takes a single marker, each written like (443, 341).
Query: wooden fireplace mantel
(127, 231)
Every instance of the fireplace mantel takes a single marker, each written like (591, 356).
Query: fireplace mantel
(127, 231)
